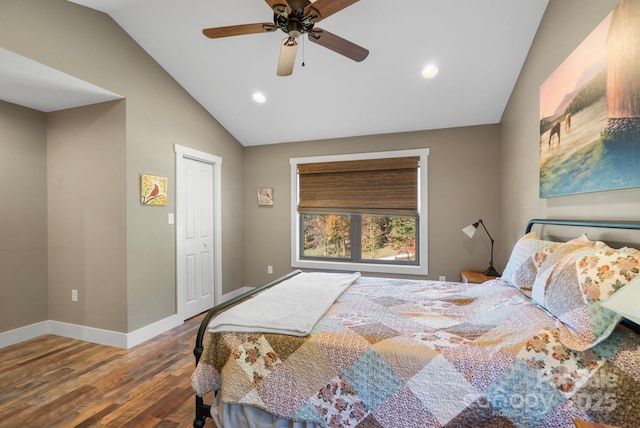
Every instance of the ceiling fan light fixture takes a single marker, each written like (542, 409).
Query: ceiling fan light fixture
(287, 57)
(430, 71)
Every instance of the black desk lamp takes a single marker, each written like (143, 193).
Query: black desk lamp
(470, 231)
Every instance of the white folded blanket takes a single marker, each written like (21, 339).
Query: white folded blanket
(292, 307)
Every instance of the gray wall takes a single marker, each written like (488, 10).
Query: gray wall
(136, 136)
(23, 216)
(565, 25)
(86, 215)
(464, 185)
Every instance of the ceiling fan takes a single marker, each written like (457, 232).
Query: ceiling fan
(295, 18)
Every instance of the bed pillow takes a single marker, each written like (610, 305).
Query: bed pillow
(527, 255)
(572, 282)
(551, 264)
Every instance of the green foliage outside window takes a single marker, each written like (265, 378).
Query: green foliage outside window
(360, 237)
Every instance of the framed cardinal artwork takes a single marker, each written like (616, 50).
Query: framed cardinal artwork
(153, 190)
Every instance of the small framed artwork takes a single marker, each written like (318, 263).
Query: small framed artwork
(153, 190)
(265, 196)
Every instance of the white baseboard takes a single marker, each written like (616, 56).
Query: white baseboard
(21, 334)
(98, 335)
(89, 334)
(114, 338)
(150, 331)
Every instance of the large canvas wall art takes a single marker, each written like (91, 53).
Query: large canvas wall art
(590, 111)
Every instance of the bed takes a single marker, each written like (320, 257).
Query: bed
(534, 348)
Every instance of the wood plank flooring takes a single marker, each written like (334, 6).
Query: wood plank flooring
(52, 381)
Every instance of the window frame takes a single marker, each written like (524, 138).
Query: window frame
(420, 268)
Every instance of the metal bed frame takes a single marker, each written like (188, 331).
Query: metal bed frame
(631, 225)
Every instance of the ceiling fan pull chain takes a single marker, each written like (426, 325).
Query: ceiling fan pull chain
(303, 51)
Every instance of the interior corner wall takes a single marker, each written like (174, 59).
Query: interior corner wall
(566, 23)
(464, 171)
(89, 45)
(86, 215)
(23, 217)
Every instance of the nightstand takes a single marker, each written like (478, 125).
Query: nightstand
(473, 277)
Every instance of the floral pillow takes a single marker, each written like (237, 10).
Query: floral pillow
(574, 280)
(526, 257)
(549, 265)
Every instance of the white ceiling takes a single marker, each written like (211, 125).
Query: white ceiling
(31, 84)
(479, 46)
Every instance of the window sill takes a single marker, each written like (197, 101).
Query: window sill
(361, 267)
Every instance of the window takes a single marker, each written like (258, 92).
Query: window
(362, 238)
(360, 212)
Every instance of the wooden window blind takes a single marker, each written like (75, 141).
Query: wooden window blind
(386, 186)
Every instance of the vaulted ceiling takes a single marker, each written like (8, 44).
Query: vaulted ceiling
(479, 48)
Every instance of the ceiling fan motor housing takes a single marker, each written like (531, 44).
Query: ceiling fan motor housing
(293, 24)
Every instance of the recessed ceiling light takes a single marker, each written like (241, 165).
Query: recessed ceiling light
(429, 71)
(259, 97)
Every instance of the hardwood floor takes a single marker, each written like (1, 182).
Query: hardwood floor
(52, 381)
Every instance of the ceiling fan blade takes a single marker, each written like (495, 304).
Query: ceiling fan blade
(326, 8)
(287, 57)
(299, 5)
(238, 30)
(283, 5)
(338, 44)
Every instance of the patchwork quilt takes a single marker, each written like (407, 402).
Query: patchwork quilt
(408, 353)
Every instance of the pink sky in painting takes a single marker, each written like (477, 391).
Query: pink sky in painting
(566, 77)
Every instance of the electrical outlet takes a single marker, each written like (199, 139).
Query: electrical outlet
(442, 278)
(270, 270)
(74, 295)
